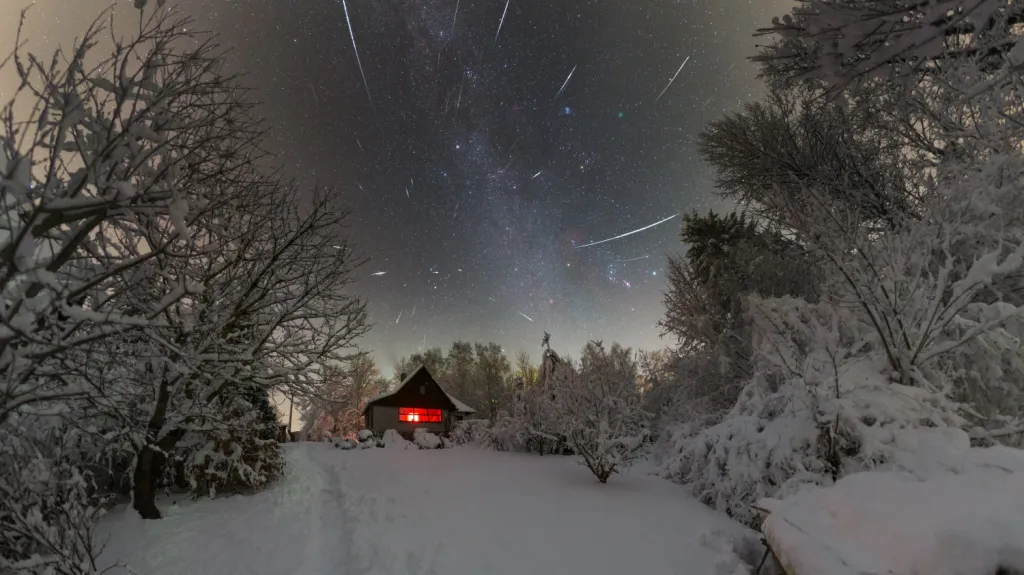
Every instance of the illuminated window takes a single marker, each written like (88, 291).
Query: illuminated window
(419, 415)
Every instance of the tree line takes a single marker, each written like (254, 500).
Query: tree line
(480, 375)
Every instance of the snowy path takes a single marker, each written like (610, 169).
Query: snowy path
(293, 527)
(449, 512)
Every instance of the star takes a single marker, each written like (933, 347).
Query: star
(470, 121)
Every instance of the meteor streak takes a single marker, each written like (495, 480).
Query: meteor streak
(566, 83)
(628, 233)
(356, 50)
(673, 78)
(507, 2)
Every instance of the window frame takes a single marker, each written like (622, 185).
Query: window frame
(422, 415)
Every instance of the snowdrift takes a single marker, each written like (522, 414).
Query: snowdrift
(774, 443)
(944, 509)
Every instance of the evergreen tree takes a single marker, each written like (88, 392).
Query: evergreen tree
(266, 419)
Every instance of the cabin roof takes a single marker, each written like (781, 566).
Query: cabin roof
(457, 405)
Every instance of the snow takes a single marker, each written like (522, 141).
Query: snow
(364, 434)
(344, 443)
(460, 511)
(393, 439)
(425, 440)
(958, 514)
(298, 525)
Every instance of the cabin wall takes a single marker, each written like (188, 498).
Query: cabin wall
(385, 417)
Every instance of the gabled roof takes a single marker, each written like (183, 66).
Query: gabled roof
(459, 406)
(456, 404)
(405, 381)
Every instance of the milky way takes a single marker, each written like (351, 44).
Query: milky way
(486, 156)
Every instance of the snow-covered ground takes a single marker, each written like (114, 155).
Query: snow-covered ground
(407, 512)
(945, 508)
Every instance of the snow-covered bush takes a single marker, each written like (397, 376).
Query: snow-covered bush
(820, 406)
(228, 462)
(508, 433)
(392, 439)
(539, 411)
(240, 456)
(48, 504)
(364, 435)
(344, 443)
(602, 415)
(425, 440)
(531, 425)
(471, 432)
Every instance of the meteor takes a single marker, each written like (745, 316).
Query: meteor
(673, 78)
(628, 233)
(502, 20)
(566, 83)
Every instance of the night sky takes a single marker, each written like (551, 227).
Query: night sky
(473, 185)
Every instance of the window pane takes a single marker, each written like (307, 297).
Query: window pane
(419, 415)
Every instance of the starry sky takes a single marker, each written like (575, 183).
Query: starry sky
(475, 169)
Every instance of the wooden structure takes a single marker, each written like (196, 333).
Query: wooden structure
(417, 402)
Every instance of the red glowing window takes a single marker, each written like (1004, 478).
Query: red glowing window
(419, 415)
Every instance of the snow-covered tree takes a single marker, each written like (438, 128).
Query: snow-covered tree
(601, 410)
(848, 41)
(493, 372)
(107, 146)
(525, 372)
(274, 310)
(728, 258)
(337, 410)
(459, 367)
(817, 407)
(96, 150)
(917, 322)
(532, 421)
(433, 359)
(153, 269)
(795, 138)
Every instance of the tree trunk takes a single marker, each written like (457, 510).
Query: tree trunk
(148, 469)
(149, 463)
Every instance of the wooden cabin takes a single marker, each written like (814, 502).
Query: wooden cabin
(417, 402)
